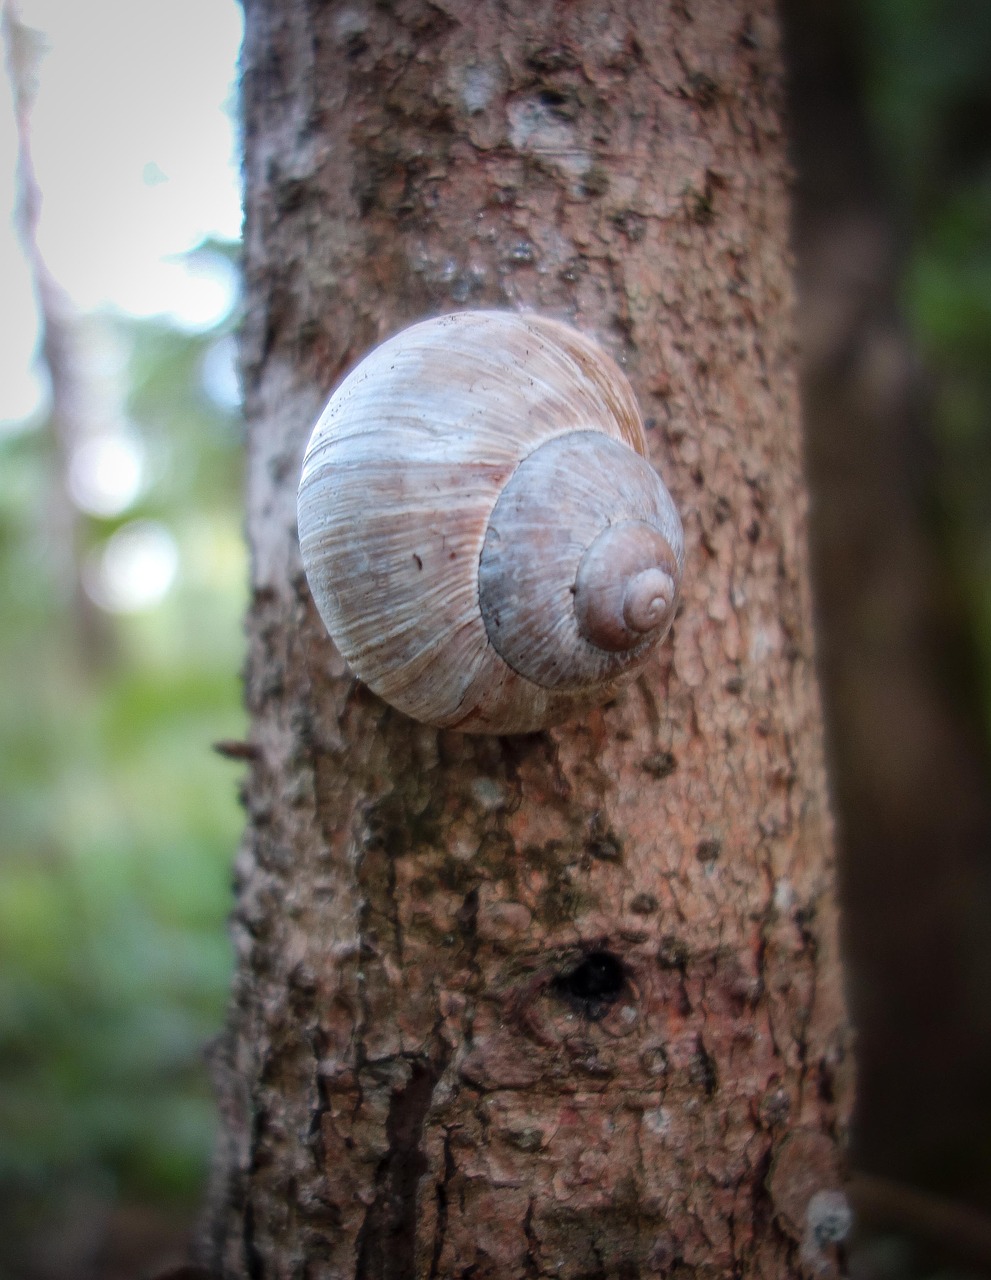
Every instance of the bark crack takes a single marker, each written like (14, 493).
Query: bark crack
(532, 1243)
(386, 1245)
(252, 1256)
(440, 1231)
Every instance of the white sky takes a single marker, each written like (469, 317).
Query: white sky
(135, 152)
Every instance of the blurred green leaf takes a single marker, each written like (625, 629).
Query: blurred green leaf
(119, 823)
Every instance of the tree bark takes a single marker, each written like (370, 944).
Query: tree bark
(565, 1004)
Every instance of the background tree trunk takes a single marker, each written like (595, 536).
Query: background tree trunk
(419, 1078)
(912, 786)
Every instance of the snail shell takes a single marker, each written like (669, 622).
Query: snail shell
(482, 533)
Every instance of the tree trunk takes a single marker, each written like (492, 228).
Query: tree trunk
(910, 773)
(566, 1004)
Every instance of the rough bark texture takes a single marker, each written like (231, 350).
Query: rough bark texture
(567, 1004)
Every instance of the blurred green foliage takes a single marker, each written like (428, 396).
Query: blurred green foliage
(928, 70)
(118, 823)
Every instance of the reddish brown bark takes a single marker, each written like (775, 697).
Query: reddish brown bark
(565, 1004)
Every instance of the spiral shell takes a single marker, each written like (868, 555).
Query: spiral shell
(482, 534)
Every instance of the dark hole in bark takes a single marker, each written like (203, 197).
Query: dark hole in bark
(593, 984)
(552, 98)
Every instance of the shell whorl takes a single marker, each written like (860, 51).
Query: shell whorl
(626, 587)
(482, 533)
(559, 514)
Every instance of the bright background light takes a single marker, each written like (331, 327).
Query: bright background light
(134, 147)
(105, 474)
(134, 568)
